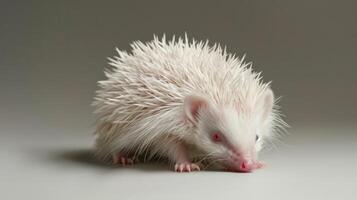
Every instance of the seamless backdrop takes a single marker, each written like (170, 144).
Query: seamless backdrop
(53, 52)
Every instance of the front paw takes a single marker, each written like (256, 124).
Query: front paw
(121, 159)
(186, 167)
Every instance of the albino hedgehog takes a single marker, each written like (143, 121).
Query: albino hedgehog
(190, 103)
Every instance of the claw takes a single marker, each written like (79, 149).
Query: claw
(186, 167)
(195, 167)
(181, 167)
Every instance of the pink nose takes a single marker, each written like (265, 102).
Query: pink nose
(245, 166)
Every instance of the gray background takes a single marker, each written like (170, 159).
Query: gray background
(53, 52)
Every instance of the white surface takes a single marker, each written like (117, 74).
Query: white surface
(56, 164)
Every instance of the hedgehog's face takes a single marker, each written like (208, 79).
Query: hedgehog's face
(227, 136)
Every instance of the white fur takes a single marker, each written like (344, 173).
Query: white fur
(140, 106)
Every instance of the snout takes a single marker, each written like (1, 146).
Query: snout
(245, 165)
(241, 166)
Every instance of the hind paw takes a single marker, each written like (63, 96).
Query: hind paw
(122, 159)
(186, 167)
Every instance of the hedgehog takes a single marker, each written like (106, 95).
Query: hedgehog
(186, 102)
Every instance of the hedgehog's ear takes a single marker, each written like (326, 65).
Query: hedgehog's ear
(192, 105)
(267, 103)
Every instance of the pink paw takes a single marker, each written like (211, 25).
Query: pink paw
(122, 160)
(186, 167)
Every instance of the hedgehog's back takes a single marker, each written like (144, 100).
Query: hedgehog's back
(158, 75)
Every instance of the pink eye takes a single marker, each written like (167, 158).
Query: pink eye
(216, 136)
